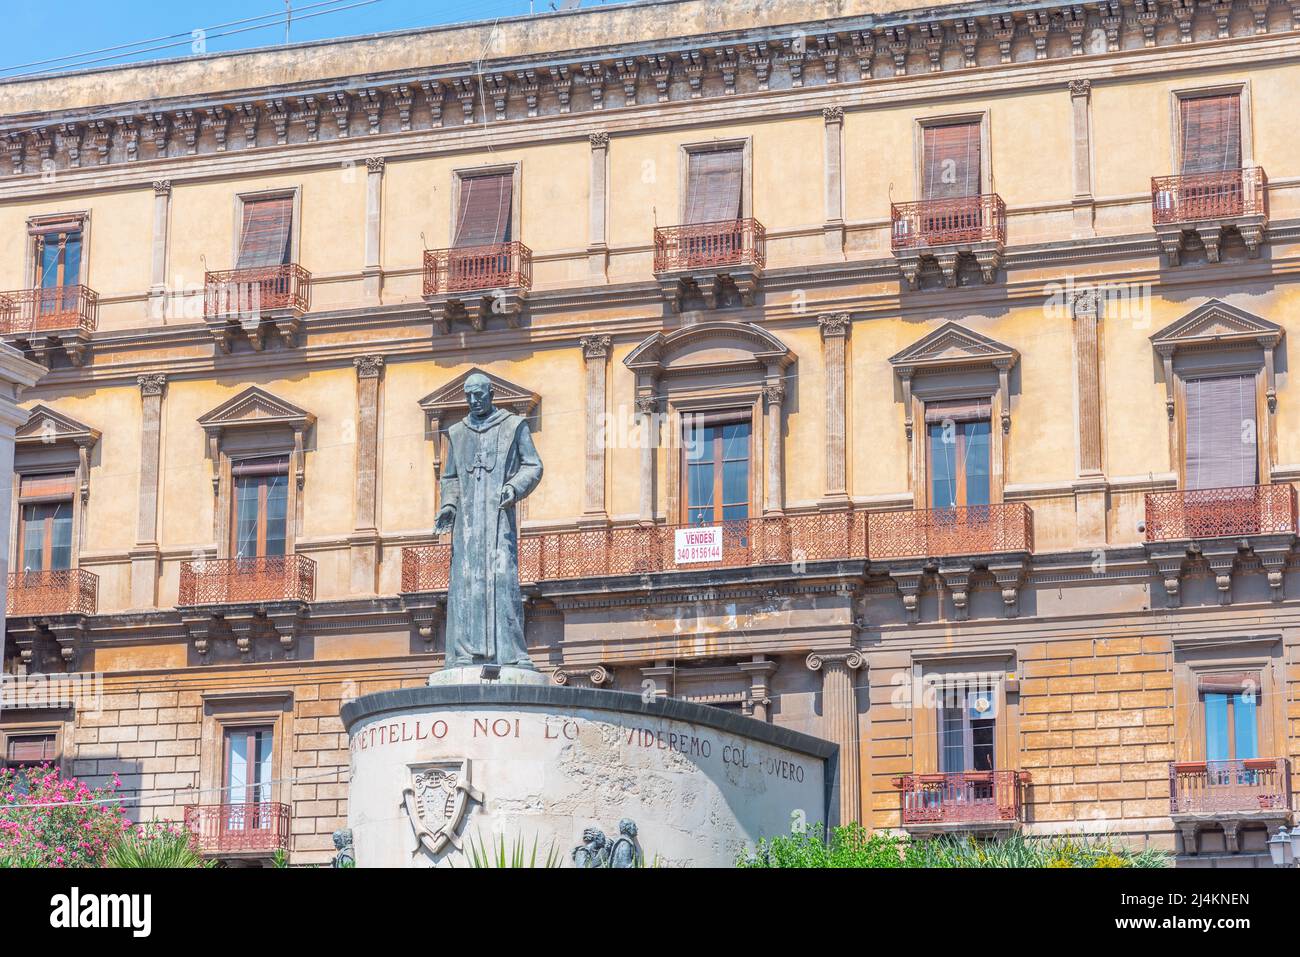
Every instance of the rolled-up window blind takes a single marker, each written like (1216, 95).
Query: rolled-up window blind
(57, 486)
(485, 209)
(951, 161)
(1211, 133)
(264, 240)
(1221, 432)
(30, 749)
(713, 185)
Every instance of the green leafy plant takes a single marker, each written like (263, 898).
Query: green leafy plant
(158, 844)
(851, 846)
(518, 854)
(280, 859)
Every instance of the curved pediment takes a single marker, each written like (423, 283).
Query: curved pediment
(1215, 322)
(450, 398)
(255, 407)
(953, 346)
(709, 346)
(45, 426)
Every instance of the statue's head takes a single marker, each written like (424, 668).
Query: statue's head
(478, 392)
(627, 827)
(342, 838)
(592, 836)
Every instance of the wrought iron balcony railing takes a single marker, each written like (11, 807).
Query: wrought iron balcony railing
(1208, 787)
(239, 580)
(643, 549)
(1196, 197)
(948, 222)
(936, 532)
(239, 828)
(731, 242)
(478, 268)
(25, 312)
(963, 797)
(1221, 512)
(253, 293)
(69, 591)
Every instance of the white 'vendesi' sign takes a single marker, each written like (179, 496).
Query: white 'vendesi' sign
(697, 545)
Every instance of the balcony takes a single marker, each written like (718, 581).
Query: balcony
(62, 315)
(947, 232)
(717, 262)
(942, 532)
(1221, 512)
(71, 591)
(646, 549)
(1228, 796)
(964, 800)
(239, 830)
(477, 282)
(230, 581)
(267, 299)
(1207, 205)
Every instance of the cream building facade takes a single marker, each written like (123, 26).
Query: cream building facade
(959, 336)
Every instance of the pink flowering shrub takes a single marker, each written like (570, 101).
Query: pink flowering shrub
(49, 820)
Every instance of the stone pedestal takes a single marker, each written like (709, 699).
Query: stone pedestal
(467, 762)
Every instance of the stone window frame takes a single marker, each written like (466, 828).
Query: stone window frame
(925, 723)
(32, 267)
(1194, 657)
(702, 401)
(229, 439)
(225, 710)
(56, 721)
(1249, 349)
(1176, 97)
(516, 171)
(34, 454)
(982, 372)
(951, 119)
(746, 146)
(295, 226)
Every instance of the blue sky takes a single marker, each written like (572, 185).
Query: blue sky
(42, 30)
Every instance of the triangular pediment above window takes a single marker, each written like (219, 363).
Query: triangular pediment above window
(1214, 323)
(953, 346)
(46, 426)
(449, 399)
(256, 407)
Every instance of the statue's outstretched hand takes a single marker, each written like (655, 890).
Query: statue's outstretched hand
(507, 496)
(446, 518)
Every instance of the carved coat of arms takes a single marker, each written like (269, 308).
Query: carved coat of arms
(437, 801)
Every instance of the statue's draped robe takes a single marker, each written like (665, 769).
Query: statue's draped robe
(485, 610)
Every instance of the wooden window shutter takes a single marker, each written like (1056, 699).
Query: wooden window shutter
(485, 209)
(1211, 133)
(713, 185)
(57, 486)
(1221, 427)
(264, 240)
(30, 749)
(962, 410)
(951, 161)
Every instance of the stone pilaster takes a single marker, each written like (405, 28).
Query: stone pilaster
(364, 541)
(16, 374)
(162, 204)
(1081, 113)
(595, 353)
(840, 724)
(1090, 486)
(833, 166)
(372, 273)
(774, 400)
(598, 238)
(835, 330)
(145, 556)
(647, 407)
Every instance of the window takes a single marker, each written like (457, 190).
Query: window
(1221, 427)
(58, 256)
(1232, 708)
(248, 765)
(716, 459)
(1211, 133)
(485, 215)
(45, 530)
(714, 179)
(967, 726)
(950, 161)
(959, 438)
(264, 238)
(261, 506)
(30, 750)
